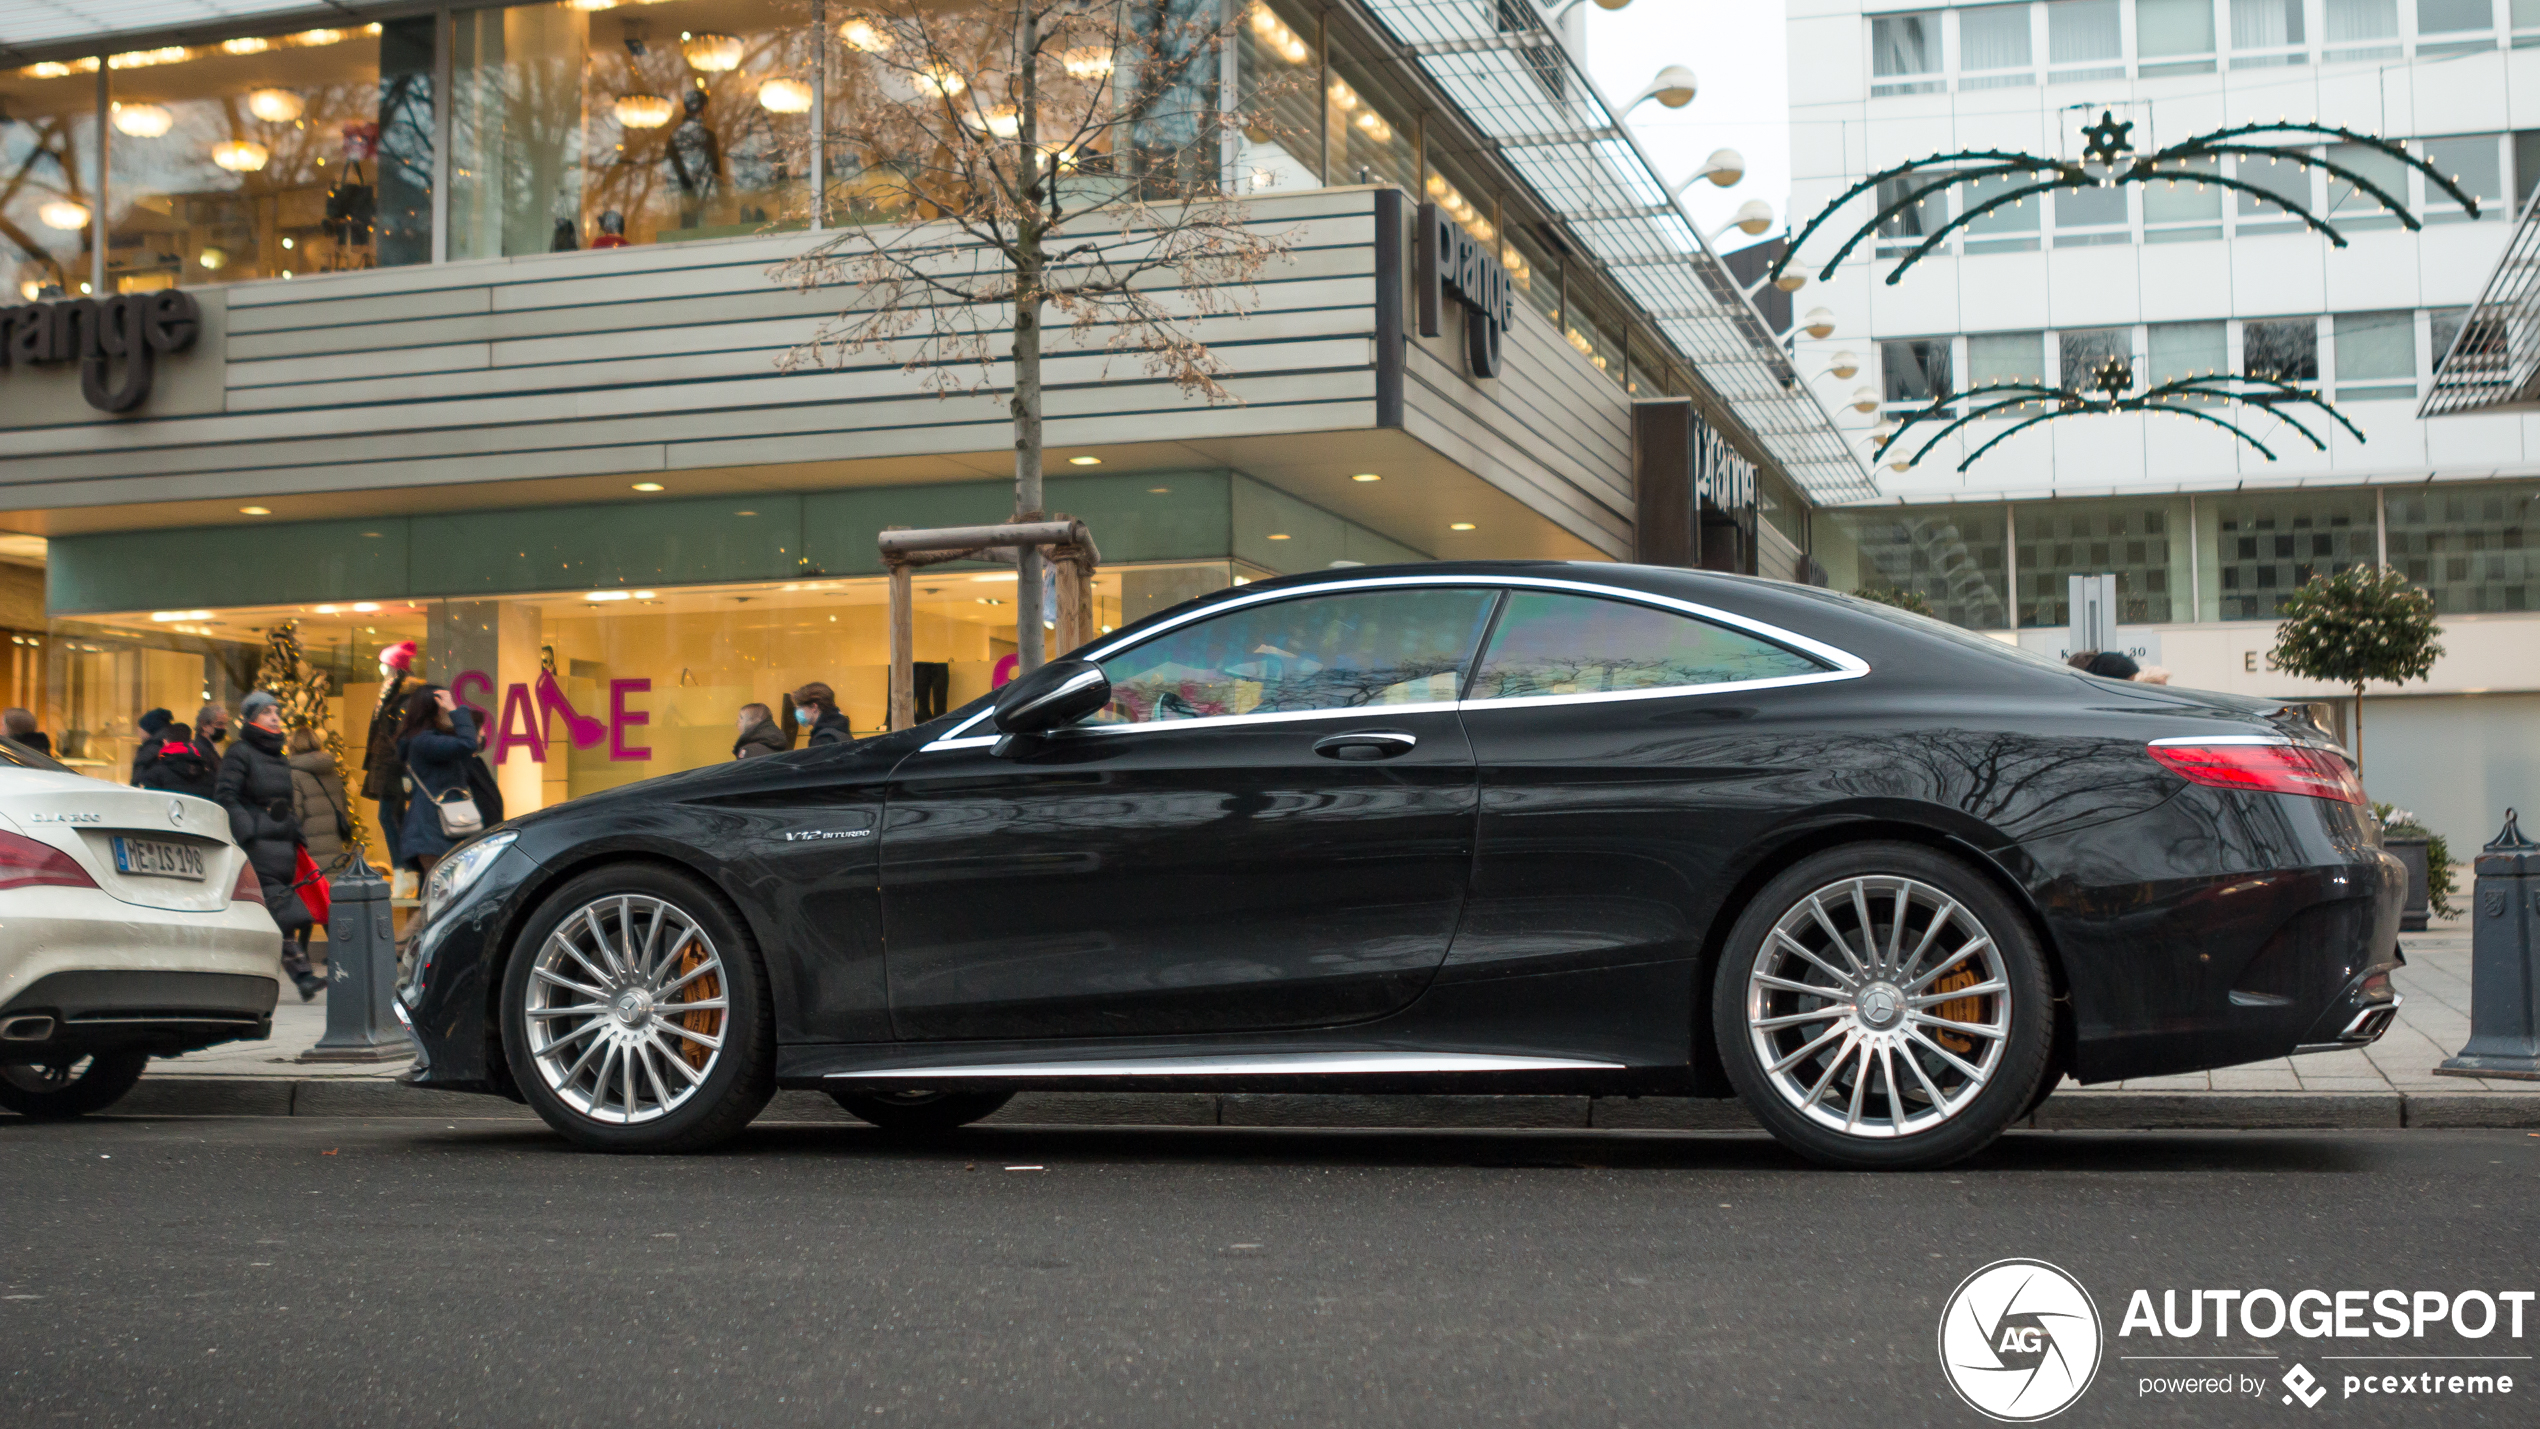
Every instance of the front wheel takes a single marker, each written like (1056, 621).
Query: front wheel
(921, 1112)
(1883, 1007)
(635, 1013)
(74, 1086)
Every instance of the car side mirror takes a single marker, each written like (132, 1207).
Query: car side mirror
(1051, 697)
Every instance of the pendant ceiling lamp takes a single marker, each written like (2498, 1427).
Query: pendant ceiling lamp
(785, 96)
(143, 121)
(276, 106)
(713, 54)
(240, 156)
(644, 111)
(68, 215)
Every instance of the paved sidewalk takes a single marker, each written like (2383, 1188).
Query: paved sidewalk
(2390, 1084)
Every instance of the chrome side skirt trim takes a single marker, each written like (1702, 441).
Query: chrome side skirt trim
(1242, 1065)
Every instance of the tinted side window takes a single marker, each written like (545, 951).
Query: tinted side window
(1575, 645)
(1372, 648)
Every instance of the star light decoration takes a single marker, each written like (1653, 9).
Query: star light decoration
(2105, 392)
(2109, 160)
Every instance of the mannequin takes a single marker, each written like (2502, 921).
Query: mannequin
(612, 230)
(383, 780)
(696, 161)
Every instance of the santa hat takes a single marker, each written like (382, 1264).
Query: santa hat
(399, 657)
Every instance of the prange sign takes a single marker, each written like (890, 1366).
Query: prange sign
(1453, 265)
(135, 327)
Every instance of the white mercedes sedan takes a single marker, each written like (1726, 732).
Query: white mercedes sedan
(130, 927)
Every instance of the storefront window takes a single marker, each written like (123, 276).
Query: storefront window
(2475, 548)
(574, 127)
(1370, 141)
(2141, 542)
(48, 178)
(270, 157)
(2256, 550)
(1951, 556)
(1279, 65)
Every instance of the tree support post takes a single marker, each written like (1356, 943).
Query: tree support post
(1063, 538)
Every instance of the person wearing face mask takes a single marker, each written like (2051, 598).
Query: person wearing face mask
(760, 734)
(211, 728)
(816, 709)
(254, 785)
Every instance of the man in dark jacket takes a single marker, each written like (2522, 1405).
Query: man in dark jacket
(760, 734)
(153, 723)
(816, 710)
(171, 761)
(254, 785)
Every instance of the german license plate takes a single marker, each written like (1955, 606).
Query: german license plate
(149, 858)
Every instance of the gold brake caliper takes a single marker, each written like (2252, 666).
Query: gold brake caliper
(1958, 1009)
(705, 1022)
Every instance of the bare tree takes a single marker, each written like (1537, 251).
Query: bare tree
(1003, 162)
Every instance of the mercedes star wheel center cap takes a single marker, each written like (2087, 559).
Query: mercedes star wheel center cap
(633, 1007)
(1881, 1005)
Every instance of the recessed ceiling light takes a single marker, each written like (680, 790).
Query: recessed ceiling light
(365, 607)
(1278, 535)
(1459, 526)
(326, 610)
(1158, 490)
(745, 513)
(1367, 476)
(994, 576)
(370, 535)
(608, 595)
(648, 486)
(643, 595)
(255, 511)
(1084, 461)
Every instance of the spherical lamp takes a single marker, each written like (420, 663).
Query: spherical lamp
(1753, 217)
(240, 156)
(143, 121)
(1865, 399)
(1725, 167)
(865, 37)
(276, 106)
(1674, 87)
(68, 215)
(643, 111)
(1818, 323)
(1844, 364)
(785, 96)
(711, 54)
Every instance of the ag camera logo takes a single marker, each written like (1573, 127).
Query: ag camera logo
(2019, 1340)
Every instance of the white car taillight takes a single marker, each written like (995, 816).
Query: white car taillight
(249, 889)
(25, 863)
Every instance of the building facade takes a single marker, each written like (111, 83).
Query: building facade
(450, 325)
(2203, 531)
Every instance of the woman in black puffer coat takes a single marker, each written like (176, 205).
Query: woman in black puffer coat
(254, 785)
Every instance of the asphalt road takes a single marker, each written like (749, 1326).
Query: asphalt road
(289, 1272)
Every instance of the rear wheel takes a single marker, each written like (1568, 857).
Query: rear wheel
(921, 1111)
(1883, 1006)
(635, 1013)
(73, 1086)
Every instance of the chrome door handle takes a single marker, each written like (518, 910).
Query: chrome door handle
(1364, 744)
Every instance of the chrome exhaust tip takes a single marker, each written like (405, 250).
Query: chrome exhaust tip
(34, 1027)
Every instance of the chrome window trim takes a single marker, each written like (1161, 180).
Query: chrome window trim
(1848, 666)
(1244, 1064)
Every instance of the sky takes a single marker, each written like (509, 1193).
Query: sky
(1737, 51)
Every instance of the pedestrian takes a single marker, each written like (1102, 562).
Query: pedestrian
(383, 772)
(2116, 665)
(153, 725)
(437, 743)
(816, 709)
(19, 725)
(760, 733)
(317, 800)
(172, 762)
(211, 729)
(255, 786)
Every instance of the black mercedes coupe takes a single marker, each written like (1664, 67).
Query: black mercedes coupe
(1490, 826)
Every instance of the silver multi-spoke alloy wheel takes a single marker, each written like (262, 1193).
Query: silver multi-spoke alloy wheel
(626, 1009)
(1879, 1006)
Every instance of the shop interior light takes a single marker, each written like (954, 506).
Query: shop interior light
(143, 59)
(940, 79)
(713, 54)
(211, 258)
(993, 576)
(325, 609)
(1367, 476)
(1281, 536)
(643, 111)
(1084, 461)
(250, 45)
(648, 486)
(240, 156)
(605, 595)
(865, 37)
(594, 4)
(321, 37)
(276, 106)
(1093, 62)
(366, 607)
(1459, 525)
(255, 511)
(785, 96)
(143, 121)
(163, 617)
(68, 215)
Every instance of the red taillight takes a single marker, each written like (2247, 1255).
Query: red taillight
(24, 863)
(250, 889)
(2266, 768)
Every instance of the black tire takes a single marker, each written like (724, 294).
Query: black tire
(917, 1113)
(57, 1091)
(739, 1074)
(1931, 1113)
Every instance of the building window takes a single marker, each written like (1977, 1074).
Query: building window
(2140, 542)
(2476, 163)
(2474, 548)
(2084, 217)
(2265, 33)
(1915, 369)
(2086, 352)
(2183, 210)
(2084, 40)
(1952, 556)
(1901, 231)
(2351, 208)
(2174, 351)
(2265, 547)
(2174, 36)
(2012, 228)
(2376, 356)
(2285, 349)
(2455, 21)
(1993, 47)
(2361, 29)
(271, 157)
(48, 155)
(1994, 357)
(1903, 48)
(2280, 177)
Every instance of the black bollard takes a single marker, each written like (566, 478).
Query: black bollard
(361, 964)
(2504, 985)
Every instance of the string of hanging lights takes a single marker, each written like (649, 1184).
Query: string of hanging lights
(2105, 392)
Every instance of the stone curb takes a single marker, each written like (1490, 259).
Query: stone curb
(2066, 1111)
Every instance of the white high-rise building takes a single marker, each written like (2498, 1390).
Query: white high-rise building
(2204, 532)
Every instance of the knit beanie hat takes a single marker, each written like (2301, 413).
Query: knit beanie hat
(152, 721)
(257, 701)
